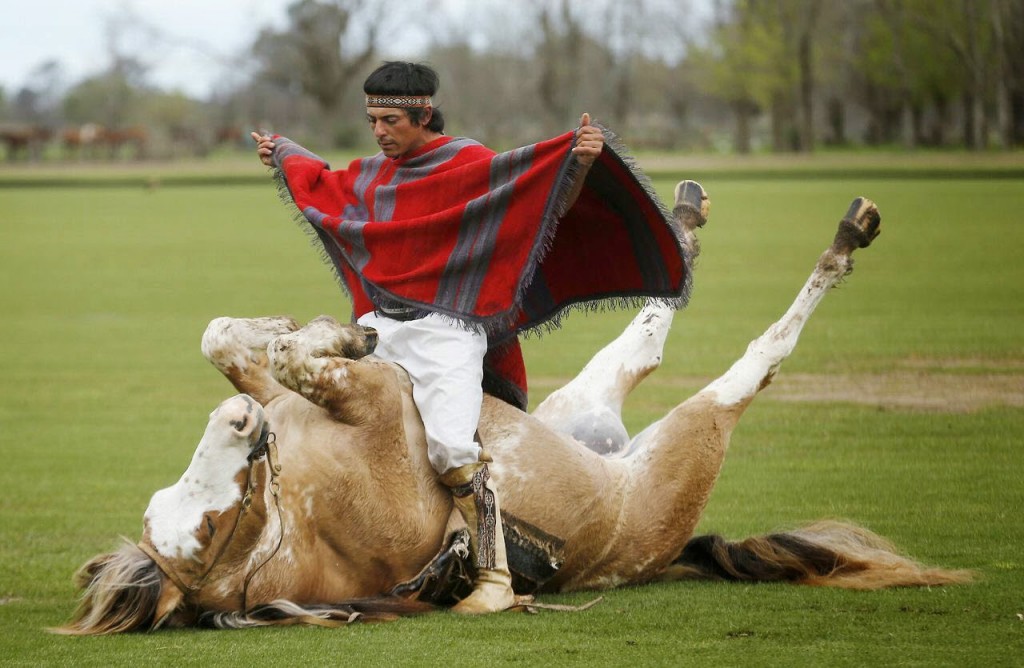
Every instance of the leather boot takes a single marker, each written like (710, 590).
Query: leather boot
(478, 503)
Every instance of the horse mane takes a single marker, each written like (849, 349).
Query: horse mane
(286, 613)
(120, 594)
(827, 553)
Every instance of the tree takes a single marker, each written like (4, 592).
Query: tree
(38, 103)
(1008, 33)
(804, 15)
(740, 65)
(949, 51)
(624, 33)
(559, 58)
(325, 46)
(111, 98)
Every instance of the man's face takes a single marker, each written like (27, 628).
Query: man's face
(395, 133)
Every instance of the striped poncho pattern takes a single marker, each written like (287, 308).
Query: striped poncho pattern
(488, 239)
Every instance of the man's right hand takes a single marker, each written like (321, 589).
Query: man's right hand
(264, 148)
(589, 142)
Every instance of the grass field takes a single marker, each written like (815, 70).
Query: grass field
(901, 409)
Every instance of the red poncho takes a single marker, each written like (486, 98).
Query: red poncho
(485, 238)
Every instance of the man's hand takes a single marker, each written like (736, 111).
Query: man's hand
(264, 148)
(589, 141)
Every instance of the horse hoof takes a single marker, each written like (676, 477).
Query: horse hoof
(859, 227)
(692, 205)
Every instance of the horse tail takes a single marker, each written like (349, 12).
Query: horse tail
(826, 553)
(285, 613)
(121, 591)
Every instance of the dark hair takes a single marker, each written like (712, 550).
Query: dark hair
(401, 78)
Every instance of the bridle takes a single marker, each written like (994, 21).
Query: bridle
(265, 447)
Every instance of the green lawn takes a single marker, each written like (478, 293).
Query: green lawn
(104, 395)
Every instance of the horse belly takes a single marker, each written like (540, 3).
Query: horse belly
(553, 483)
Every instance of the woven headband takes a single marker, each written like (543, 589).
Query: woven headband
(398, 101)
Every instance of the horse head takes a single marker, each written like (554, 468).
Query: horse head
(200, 535)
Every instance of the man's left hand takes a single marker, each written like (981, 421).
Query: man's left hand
(589, 141)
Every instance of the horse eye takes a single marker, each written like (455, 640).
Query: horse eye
(209, 525)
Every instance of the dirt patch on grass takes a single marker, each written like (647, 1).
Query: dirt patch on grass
(947, 386)
(943, 392)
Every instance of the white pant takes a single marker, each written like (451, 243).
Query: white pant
(445, 363)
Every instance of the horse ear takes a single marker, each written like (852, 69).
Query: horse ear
(170, 600)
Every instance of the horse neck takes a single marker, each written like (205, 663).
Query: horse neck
(362, 497)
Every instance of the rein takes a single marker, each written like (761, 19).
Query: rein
(265, 447)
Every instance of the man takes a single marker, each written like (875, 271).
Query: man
(439, 242)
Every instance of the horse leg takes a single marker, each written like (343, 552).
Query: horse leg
(765, 354)
(675, 462)
(324, 362)
(589, 407)
(238, 348)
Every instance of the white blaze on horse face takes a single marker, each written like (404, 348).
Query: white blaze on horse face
(175, 516)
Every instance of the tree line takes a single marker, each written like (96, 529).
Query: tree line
(721, 75)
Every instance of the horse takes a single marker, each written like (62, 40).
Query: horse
(86, 141)
(27, 140)
(309, 498)
(82, 141)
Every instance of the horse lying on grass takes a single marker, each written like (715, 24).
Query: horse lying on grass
(310, 498)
